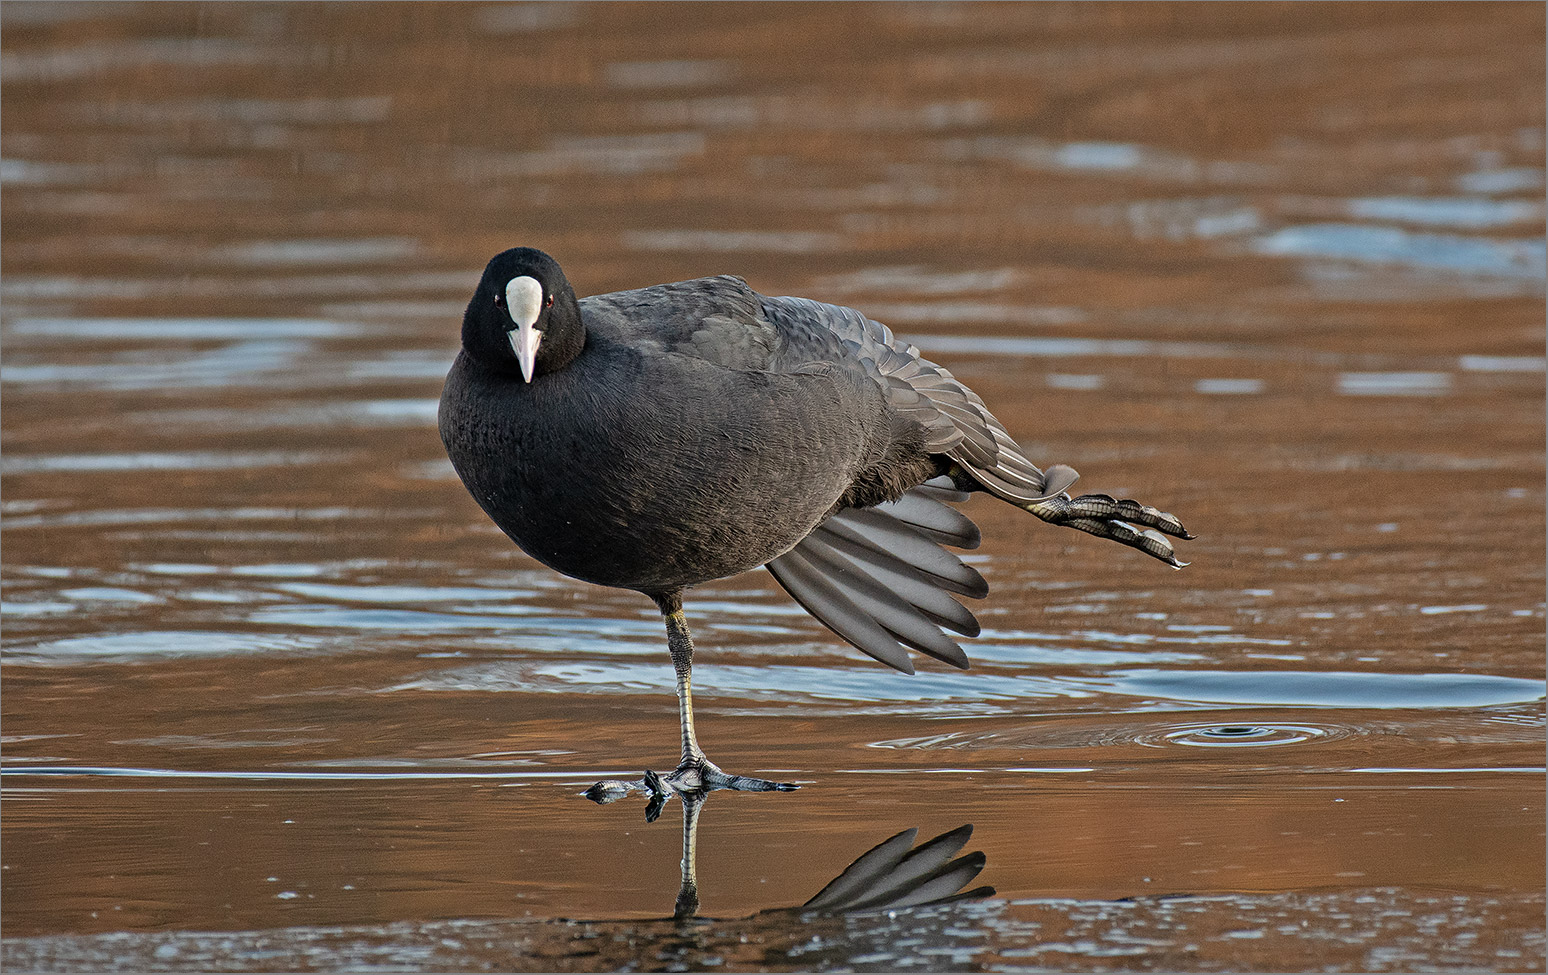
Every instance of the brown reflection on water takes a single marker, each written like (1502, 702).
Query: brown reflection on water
(1276, 268)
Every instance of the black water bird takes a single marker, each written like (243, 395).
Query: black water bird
(660, 438)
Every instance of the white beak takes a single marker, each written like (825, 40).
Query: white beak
(524, 301)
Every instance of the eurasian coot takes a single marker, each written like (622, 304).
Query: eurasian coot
(660, 438)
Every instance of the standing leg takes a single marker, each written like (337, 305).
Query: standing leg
(680, 644)
(696, 772)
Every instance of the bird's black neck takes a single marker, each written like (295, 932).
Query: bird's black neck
(565, 337)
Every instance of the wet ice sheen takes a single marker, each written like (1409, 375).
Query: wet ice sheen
(205, 460)
(931, 690)
(1467, 213)
(1329, 689)
(1394, 383)
(156, 644)
(1353, 929)
(183, 329)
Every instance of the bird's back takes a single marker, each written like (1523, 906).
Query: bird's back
(718, 320)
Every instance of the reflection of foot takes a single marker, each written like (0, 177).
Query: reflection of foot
(888, 877)
(612, 790)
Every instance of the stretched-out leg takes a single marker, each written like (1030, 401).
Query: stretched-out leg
(1125, 521)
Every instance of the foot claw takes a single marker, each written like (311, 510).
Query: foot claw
(743, 783)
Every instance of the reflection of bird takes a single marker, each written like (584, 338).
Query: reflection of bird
(887, 877)
(661, 438)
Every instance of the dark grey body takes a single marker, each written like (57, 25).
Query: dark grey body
(695, 436)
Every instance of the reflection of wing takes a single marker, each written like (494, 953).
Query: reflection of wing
(887, 877)
(890, 876)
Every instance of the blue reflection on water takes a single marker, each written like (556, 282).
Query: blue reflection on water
(1466, 212)
(1328, 689)
(1393, 245)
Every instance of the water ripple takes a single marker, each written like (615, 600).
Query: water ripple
(1240, 735)
(1329, 689)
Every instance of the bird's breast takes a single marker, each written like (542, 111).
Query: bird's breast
(643, 481)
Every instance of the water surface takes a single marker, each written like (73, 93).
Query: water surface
(278, 697)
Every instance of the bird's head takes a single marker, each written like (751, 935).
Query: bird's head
(523, 316)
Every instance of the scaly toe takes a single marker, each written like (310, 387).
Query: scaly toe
(702, 775)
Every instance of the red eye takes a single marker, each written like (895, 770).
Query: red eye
(548, 302)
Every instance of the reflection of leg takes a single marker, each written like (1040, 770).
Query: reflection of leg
(688, 893)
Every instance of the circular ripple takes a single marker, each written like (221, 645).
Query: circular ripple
(1117, 732)
(1242, 735)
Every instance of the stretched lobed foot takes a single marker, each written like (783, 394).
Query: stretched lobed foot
(703, 775)
(1108, 517)
(693, 778)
